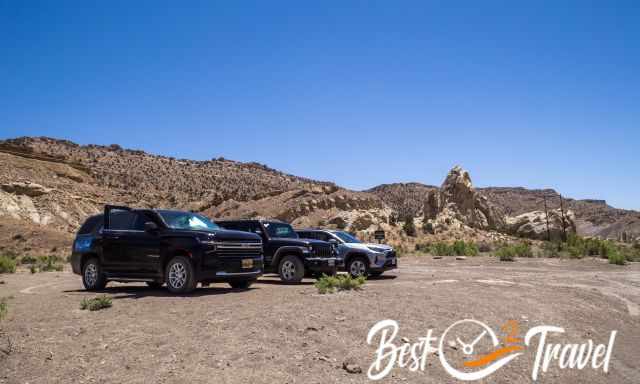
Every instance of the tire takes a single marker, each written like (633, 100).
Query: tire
(375, 274)
(291, 269)
(154, 284)
(93, 278)
(179, 275)
(241, 284)
(358, 266)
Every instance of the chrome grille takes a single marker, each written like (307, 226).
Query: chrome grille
(229, 249)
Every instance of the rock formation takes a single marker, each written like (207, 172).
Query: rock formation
(457, 204)
(533, 225)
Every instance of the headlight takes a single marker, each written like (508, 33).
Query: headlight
(376, 249)
(206, 241)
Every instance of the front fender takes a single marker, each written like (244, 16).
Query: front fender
(286, 250)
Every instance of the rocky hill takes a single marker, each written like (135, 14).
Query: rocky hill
(593, 217)
(49, 186)
(56, 184)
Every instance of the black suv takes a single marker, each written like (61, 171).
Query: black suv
(284, 252)
(162, 246)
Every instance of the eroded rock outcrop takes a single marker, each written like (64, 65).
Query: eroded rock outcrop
(457, 204)
(533, 225)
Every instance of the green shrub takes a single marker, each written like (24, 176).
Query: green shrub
(329, 284)
(409, 227)
(523, 250)
(28, 260)
(441, 249)
(630, 253)
(551, 249)
(47, 264)
(506, 253)
(616, 257)
(4, 308)
(96, 303)
(575, 252)
(7, 264)
(510, 252)
(428, 228)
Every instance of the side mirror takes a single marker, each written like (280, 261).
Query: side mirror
(150, 226)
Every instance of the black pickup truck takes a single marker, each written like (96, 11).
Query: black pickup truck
(284, 252)
(163, 246)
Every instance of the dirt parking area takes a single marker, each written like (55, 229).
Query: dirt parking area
(275, 333)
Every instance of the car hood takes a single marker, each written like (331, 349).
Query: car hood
(299, 242)
(220, 235)
(368, 246)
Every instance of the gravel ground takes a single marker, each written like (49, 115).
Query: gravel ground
(275, 333)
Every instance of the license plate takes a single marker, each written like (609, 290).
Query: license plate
(332, 263)
(247, 263)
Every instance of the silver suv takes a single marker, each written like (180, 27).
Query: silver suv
(354, 256)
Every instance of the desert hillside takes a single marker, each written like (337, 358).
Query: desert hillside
(49, 186)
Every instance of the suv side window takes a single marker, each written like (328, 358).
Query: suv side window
(121, 220)
(139, 220)
(322, 236)
(90, 225)
(232, 226)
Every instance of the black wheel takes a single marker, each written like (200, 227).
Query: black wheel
(291, 269)
(179, 275)
(93, 278)
(154, 284)
(241, 284)
(375, 274)
(358, 266)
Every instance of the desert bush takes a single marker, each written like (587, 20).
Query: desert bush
(96, 303)
(27, 260)
(329, 284)
(630, 253)
(615, 257)
(7, 264)
(441, 249)
(4, 308)
(463, 248)
(506, 253)
(551, 249)
(484, 247)
(409, 227)
(47, 264)
(510, 252)
(575, 252)
(578, 246)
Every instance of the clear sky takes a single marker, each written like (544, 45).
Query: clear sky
(536, 94)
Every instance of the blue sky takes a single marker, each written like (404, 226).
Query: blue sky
(536, 94)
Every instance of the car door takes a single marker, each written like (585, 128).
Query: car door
(114, 255)
(269, 248)
(142, 248)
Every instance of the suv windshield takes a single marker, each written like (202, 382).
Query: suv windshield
(347, 237)
(280, 230)
(187, 220)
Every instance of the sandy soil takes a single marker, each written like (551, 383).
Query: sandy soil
(276, 333)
